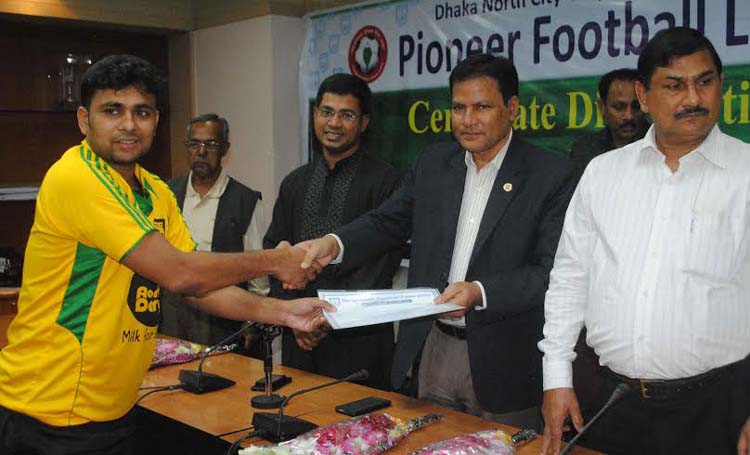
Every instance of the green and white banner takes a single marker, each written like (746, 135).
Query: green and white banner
(406, 50)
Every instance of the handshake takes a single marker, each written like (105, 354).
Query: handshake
(297, 265)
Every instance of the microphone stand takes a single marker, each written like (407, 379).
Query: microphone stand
(198, 382)
(277, 427)
(617, 394)
(268, 400)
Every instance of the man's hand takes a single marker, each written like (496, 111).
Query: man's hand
(557, 405)
(743, 445)
(309, 340)
(287, 266)
(321, 250)
(318, 254)
(304, 315)
(462, 293)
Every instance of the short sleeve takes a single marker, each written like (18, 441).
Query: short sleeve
(81, 199)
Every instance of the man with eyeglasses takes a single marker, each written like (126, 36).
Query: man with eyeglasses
(339, 184)
(222, 214)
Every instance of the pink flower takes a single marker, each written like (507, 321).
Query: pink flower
(364, 435)
(493, 442)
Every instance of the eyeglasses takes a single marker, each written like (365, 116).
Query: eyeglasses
(328, 114)
(195, 145)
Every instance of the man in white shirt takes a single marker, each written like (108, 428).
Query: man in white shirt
(222, 214)
(654, 260)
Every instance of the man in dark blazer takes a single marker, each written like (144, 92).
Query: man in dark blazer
(484, 216)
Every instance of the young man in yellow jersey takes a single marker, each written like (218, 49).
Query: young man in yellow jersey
(106, 235)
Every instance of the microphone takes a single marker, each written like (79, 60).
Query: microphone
(617, 394)
(277, 427)
(196, 381)
(268, 400)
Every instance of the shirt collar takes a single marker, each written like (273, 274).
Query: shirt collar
(119, 178)
(350, 160)
(710, 148)
(216, 191)
(497, 161)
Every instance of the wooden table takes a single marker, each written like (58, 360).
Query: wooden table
(229, 410)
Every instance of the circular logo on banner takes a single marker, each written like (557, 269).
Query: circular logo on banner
(368, 53)
(144, 301)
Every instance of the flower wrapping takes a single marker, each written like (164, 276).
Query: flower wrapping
(364, 435)
(171, 351)
(491, 442)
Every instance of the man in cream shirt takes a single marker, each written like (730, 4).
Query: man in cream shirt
(222, 214)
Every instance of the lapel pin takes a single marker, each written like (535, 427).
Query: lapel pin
(508, 187)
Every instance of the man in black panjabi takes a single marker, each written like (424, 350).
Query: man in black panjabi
(339, 184)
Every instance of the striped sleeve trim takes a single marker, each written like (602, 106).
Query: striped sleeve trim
(140, 219)
(137, 242)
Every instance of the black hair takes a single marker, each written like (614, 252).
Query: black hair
(669, 44)
(622, 74)
(347, 84)
(499, 68)
(116, 72)
(211, 117)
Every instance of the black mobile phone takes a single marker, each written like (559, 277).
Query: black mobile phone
(363, 406)
(277, 381)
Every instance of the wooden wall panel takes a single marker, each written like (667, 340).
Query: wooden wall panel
(35, 125)
(17, 218)
(31, 141)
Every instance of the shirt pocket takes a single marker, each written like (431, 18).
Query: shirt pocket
(712, 245)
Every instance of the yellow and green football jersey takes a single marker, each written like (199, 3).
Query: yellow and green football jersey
(85, 331)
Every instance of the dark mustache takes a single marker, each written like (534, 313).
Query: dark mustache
(690, 111)
(627, 123)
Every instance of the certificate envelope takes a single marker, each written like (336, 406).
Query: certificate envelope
(359, 308)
